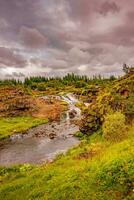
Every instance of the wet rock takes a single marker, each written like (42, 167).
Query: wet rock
(71, 134)
(64, 137)
(72, 114)
(52, 136)
(90, 122)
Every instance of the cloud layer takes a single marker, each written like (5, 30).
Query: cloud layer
(55, 37)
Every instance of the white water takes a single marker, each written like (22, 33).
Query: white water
(71, 100)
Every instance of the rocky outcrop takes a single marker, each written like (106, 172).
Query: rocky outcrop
(15, 101)
(90, 122)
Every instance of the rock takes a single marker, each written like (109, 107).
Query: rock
(90, 122)
(52, 136)
(64, 137)
(72, 114)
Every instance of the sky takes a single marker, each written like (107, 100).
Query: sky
(56, 37)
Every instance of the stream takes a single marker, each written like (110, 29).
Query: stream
(43, 143)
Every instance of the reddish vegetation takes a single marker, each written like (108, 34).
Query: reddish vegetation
(16, 101)
(50, 110)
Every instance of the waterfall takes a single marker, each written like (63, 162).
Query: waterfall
(73, 111)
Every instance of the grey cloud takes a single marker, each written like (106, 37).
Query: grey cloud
(109, 7)
(61, 36)
(78, 56)
(53, 63)
(32, 38)
(18, 75)
(83, 9)
(9, 59)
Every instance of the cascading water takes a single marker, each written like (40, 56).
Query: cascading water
(71, 100)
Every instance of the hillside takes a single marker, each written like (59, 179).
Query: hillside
(118, 96)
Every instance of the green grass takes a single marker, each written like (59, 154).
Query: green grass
(95, 170)
(9, 126)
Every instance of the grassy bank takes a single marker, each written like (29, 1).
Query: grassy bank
(96, 170)
(13, 125)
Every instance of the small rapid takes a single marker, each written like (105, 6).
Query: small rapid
(73, 111)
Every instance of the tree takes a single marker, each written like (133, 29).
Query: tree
(126, 68)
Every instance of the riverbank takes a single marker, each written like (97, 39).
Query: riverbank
(44, 112)
(14, 125)
(95, 170)
(45, 141)
(40, 144)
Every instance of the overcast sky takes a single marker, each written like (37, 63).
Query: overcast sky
(54, 37)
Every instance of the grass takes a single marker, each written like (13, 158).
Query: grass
(95, 170)
(9, 126)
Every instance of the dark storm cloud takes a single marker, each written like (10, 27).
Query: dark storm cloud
(109, 7)
(9, 58)
(60, 36)
(31, 37)
(82, 10)
(17, 12)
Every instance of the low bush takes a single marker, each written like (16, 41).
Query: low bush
(114, 127)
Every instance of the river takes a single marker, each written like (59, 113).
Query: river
(44, 142)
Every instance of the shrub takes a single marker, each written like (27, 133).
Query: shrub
(114, 128)
(117, 176)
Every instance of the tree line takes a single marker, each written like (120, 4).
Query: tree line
(69, 79)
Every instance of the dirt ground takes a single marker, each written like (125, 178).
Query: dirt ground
(50, 110)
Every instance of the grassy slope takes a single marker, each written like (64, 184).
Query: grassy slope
(96, 170)
(12, 125)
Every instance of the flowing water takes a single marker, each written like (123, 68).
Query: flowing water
(36, 146)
